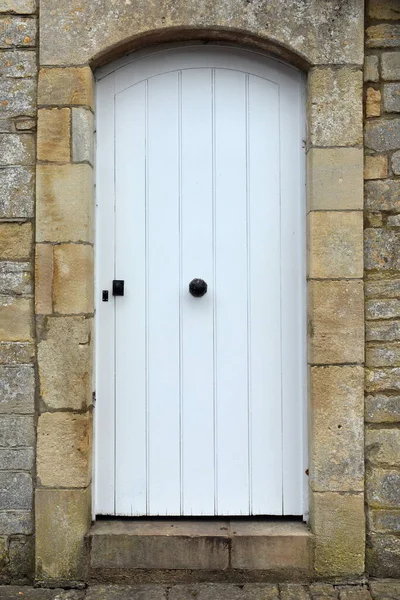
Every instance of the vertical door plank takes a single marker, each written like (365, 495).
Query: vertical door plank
(163, 296)
(104, 480)
(263, 208)
(230, 282)
(130, 247)
(197, 413)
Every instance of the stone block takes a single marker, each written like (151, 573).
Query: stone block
(335, 107)
(44, 279)
(371, 64)
(382, 379)
(382, 446)
(212, 591)
(64, 203)
(373, 219)
(373, 103)
(382, 195)
(136, 592)
(64, 449)
(82, 135)
(22, 559)
(15, 241)
(385, 590)
(382, 135)
(16, 522)
(382, 409)
(73, 279)
(336, 422)
(375, 167)
(383, 556)
(334, 179)
(6, 125)
(18, 64)
(382, 288)
(382, 249)
(15, 491)
(384, 9)
(383, 35)
(17, 186)
(25, 124)
(17, 459)
(17, 149)
(65, 363)
(61, 557)
(13, 353)
(391, 97)
(54, 134)
(16, 430)
(387, 355)
(390, 65)
(336, 329)
(18, 97)
(338, 522)
(335, 244)
(384, 521)
(17, 32)
(17, 390)
(382, 309)
(382, 487)
(20, 7)
(15, 319)
(15, 278)
(70, 85)
(293, 591)
(393, 221)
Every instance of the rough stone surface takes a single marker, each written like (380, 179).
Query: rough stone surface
(384, 521)
(390, 65)
(382, 380)
(335, 107)
(382, 446)
(335, 244)
(18, 64)
(16, 522)
(336, 328)
(383, 331)
(384, 9)
(375, 167)
(16, 431)
(383, 356)
(15, 241)
(382, 309)
(383, 488)
(382, 195)
(17, 459)
(17, 149)
(15, 278)
(337, 444)
(15, 491)
(17, 389)
(383, 557)
(383, 36)
(371, 64)
(15, 319)
(82, 135)
(73, 279)
(382, 409)
(44, 279)
(17, 32)
(64, 357)
(373, 103)
(20, 7)
(18, 97)
(382, 288)
(64, 203)
(382, 135)
(222, 591)
(64, 450)
(391, 98)
(21, 554)
(54, 133)
(389, 589)
(382, 249)
(73, 86)
(16, 353)
(17, 189)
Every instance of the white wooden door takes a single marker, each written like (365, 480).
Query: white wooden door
(200, 175)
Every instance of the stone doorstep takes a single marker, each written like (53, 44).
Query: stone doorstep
(232, 550)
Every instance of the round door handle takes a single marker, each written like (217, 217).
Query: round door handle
(197, 287)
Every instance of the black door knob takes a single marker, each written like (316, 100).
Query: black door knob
(197, 287)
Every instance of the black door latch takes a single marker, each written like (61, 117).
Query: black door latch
(118, 287)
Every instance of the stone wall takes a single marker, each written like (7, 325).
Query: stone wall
(18, 70)
(382, 286)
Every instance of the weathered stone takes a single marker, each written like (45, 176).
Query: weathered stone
(54, 134)
(393, 221)
(71, 85)
(64, 203)
(335, 244)
(383, 557)
(382, 195)
(338, 523)
(293, 591)
(373, 103)
(15, 319)
(64, 450)
(6, 125)
(335, 107)
(137, 592)
(384, 9)
(17, 190)
(390, 65)
(383, 356)
(396, 162)
(336, 330)
(25, 124)
(17, 459)
(383, 488)
(391, 97)
(18, 97)
(44, 279)
(20, 7)
(352, 592)
(385, 590)
(18, 63)
(64, 357)
(382, 309)
(373, 219)
(334, 178)
(320, 590)
(15, 240)
(386, 331)
(15, 278)
(17, 389)
(82, 135)
(382, 135)
(15, 491)
(73, 279)
(382, 409)
(382, 446)
(21, 553)
(67, 512)
(383, 36)
(17, 31)
(16, 522)
(371, 63)
(382, 249)
(375, 167)
(382, 380)
(382, 288)
(384, 521)
(16, 431)
(336, 417)
(16, 149)
(16, 353)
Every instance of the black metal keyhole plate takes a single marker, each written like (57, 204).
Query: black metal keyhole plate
(198, 287)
